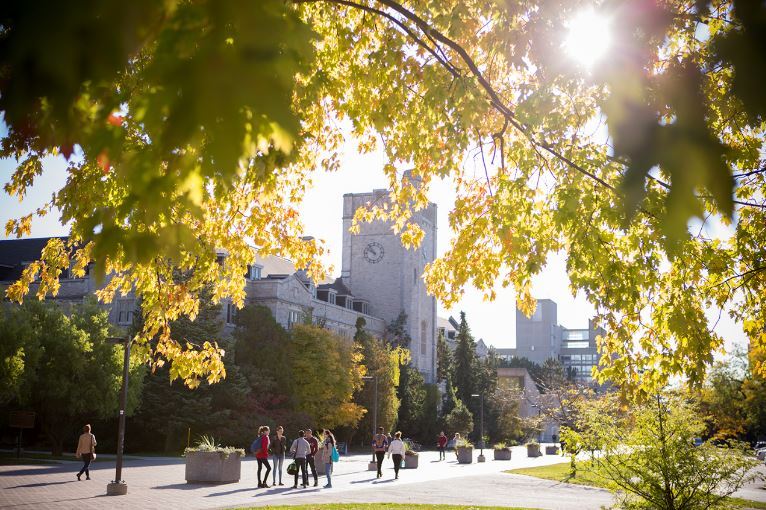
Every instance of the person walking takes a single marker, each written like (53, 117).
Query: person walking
(456, 440)
(299, 450)
(441, 442)
(86, 450)
(327, 450)
(262, 456)
(278, 451)
(380, 446)
(314, 444)
(396, 449)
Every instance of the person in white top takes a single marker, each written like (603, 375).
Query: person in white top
(396, 449)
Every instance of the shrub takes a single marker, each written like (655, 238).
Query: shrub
(208, 444)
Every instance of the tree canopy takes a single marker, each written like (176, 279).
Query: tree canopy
(192, 127)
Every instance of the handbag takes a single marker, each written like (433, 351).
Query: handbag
(334, 455)
(292, 468)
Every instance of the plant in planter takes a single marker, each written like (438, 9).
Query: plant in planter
(464, 450)
(410, 457)
(551, 450)
(533, 449)
(502, 451)
(209, 462)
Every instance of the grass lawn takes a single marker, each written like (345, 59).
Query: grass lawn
(392, 506)
(560, 473)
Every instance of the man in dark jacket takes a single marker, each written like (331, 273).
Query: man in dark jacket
(310, 457)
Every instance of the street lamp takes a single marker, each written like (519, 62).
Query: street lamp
(118, 487)
(374, 405)
(481, 427)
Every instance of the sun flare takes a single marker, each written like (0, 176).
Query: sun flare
(589, 37)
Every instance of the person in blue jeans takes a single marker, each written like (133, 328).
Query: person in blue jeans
(328, 445)
(278, 451)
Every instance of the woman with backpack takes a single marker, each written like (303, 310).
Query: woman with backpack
(380, 446)
(278, 451)
(329, 454)
(300, 449)
(261, 450)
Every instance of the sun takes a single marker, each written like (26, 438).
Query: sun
(588, 38)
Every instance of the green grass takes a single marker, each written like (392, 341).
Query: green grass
(392, 506)
(560, 473)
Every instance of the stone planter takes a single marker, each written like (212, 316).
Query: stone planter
(212, 467)
(551, 450)
(533, 450)
(465, 454)
(319, 463)
(410, 462)
(502, 454)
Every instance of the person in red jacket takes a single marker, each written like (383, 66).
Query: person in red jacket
(442, 444)
(262, 456)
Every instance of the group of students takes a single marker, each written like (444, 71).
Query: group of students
(303, 450)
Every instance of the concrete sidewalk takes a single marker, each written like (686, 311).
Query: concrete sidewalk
(159, 483)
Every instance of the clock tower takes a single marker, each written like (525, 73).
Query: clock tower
(377, 268)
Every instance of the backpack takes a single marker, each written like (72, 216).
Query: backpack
(256, 446)
(380, 441)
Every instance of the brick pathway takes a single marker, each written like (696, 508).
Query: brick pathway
(159, 483)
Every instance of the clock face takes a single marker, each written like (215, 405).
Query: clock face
(373, 253)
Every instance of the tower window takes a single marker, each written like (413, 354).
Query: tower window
(423, 337)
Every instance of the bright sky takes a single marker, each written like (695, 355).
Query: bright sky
(495, 322)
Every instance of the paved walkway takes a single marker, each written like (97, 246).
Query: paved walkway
(159, 483)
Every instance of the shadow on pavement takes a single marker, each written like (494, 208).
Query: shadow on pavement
(39, 484)
(187, 486)
(38, 471)
(364, 481)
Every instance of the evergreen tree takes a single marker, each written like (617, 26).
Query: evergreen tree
(170, 412)
(466, 363)
(396, 332)
(412, 395)
(445, 372)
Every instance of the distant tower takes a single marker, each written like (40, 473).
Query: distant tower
(376, 267)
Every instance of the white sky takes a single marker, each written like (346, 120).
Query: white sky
(494, 322)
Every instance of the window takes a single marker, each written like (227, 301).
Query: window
(576, 345)
(231, 313)
(332, 298)
(531, 347)
(414, 276)
(125, 309)
(293, 317)
(576, 334)
(253, 272)
(423, 337)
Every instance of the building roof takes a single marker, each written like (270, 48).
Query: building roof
(338, 286)
(13, 252)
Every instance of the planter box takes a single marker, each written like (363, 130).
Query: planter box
(410, 462)
(533, 450)
(551, 450)
(465, 454)
(319, 463)
(503, 454)
(212, 467)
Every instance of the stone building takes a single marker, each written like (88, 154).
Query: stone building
(377, 268)
(379, 280)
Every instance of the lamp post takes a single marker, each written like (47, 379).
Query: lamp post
(118, 487)
(481, 427)
(374, 405)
